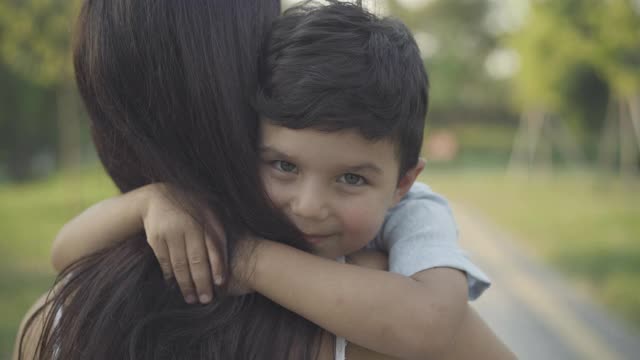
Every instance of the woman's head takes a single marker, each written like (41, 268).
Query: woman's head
(167, 85)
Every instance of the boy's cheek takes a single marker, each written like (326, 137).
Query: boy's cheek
(362, 222)
(274, 190)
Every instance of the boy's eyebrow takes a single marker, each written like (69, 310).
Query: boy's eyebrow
(268, 149)
(365, 167)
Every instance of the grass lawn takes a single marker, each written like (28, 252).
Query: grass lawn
(30, 216)
(586, 226)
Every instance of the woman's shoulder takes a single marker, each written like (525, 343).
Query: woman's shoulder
(27, 338)
(31, 327)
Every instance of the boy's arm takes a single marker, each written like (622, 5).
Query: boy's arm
(99, 227)
(420, 235)
(476, 340)
(386, 312)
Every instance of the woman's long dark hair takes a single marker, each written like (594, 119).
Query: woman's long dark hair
(167, 85)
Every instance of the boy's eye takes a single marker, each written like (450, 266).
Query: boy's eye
(352, 179)
(285, 166)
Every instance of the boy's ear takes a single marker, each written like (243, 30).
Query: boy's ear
(404, 184)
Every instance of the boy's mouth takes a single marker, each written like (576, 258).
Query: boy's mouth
(316, 238)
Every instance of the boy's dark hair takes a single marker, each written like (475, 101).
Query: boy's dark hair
(338, 66)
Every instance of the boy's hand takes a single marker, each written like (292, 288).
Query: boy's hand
(183, 249)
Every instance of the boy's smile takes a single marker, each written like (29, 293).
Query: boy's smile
(335, 187)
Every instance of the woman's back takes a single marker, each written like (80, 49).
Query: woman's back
(167, 86)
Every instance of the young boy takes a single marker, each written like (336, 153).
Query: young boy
(343, 97)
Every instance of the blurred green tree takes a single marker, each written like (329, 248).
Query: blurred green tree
(35, 37)
(456, 39)
(24, 129)
(577, 56)
(554, 42)
(617, 57)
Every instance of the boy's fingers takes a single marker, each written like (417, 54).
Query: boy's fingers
(180, 265)
(161, 251)
(214, 260)
(199, 265)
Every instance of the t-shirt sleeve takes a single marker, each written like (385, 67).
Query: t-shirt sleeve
(420, 233)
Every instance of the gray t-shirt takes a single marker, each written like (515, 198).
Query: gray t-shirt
(420, 233)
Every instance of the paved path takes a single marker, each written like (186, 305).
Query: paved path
(532, 309)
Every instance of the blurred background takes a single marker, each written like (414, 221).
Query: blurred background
(533, 134)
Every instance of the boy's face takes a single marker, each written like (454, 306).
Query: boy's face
(335, 187)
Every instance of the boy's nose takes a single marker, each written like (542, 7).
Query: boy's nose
(310, 203)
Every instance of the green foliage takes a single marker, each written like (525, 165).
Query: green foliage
(552, 42)
(26, 126)
(463, 41)
(35, 38)
(562, 35)
(35, 61)
(617, 53)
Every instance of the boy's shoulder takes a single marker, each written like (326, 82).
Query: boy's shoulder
(419, 188)
(420, 192)
(421, 208)
(421, 205)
